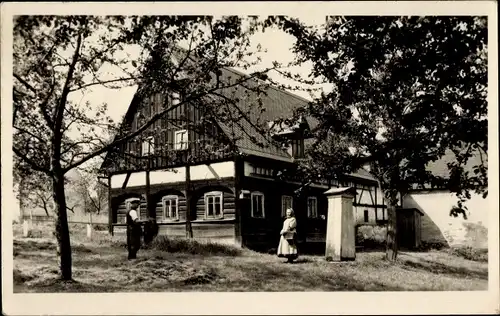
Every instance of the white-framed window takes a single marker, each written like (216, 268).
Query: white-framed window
(170, 206)
(148, 146)
(312, 207)
(214, 205)
(286, 203)
(181, 140)
(257, 205)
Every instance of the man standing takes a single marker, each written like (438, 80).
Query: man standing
(134, 230)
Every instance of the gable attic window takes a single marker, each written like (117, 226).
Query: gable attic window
(148, 146)
(181, 140)
(176, 98)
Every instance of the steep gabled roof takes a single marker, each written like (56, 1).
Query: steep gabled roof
(276, 104)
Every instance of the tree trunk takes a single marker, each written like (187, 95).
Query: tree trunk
(110, 209)
(391, 251)
(189, 228)
(62, 229)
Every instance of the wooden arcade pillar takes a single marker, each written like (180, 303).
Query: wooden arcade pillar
(111, 210)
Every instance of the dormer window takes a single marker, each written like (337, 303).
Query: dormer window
(298, 148)
(281, 128)
(291, 136)
(287, 127)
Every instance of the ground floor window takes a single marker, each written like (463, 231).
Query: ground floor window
(366, 216)
(312, 207)
(257, 207)
(214, 205)
(170, 205)
(286, 203)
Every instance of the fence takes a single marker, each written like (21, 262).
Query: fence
(72, 218)
(90, 220)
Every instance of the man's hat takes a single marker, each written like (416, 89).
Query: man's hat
(133, 200)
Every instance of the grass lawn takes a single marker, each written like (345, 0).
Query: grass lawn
(101, 265)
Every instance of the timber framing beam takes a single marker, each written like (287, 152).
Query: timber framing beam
(212, 170)
(125, 182)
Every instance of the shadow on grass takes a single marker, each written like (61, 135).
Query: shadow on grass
(56, 285)
(300, 260)
(470, 253)
(47, 280)
(32, 245)
(439, 268)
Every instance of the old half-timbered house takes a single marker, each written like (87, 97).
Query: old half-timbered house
(235, 195)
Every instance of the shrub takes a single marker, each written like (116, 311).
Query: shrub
(20, 277)
(100, 227)
(360, 238)
(432, 245)
(470, 253)
(370, 236)
(164, 243)
(35, 234)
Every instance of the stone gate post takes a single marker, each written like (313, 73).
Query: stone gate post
(340, 235)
